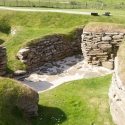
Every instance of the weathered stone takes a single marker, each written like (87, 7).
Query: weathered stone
(111, 33)
(2, 72)
(108, 65)
(101, 54)
(29, 102)
(24, 51)
(104, 42)
(117, 37)
(30, 55)
(96, 39)
(88, 37)
(87, 33)
(106, 47)
(19, 72)
(106, 38)
(96, 62)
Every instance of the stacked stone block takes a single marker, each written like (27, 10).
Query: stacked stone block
(101, 48)
(117, 98)
(50, 49)
(3, 60)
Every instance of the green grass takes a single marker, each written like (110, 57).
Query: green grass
(80, 102)
(32, 25)
(95, 4)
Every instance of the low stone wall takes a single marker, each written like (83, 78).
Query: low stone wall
(117, 98)
(52, 48)
(101, 48)
(3, 60)
(29, 102)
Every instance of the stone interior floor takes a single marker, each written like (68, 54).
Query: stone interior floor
(53, 74)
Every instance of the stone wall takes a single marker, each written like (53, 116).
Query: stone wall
(28, 102)
(101, 48)
(51, 48)
(3, 60)
(117, 98)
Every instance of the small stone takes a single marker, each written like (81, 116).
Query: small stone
(71, 64)
(49, 65)
(59, 71)
(19, 72)
(108, 65)
(106, 47)
(106, 38)
(117, 37)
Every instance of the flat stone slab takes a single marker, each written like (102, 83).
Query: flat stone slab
(89, 74)
(19, 72)
(71, 72)
(52, 78)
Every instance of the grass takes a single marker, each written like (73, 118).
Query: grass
(101, 4)
(80, 102)
(33, 25)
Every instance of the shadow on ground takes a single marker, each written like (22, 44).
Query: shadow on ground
(39, 86)
(49, 116)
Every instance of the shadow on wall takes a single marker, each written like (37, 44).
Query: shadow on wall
(49, 116)
(1, 41)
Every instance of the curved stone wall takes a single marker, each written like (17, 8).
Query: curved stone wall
(51, 49)
(117, 97)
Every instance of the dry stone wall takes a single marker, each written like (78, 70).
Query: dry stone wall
(3, 60)
(117, 98)
(28, 102)
(101, 48)
(51, 49)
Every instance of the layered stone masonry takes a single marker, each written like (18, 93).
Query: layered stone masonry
(29, 103)
(117, 98)
(52, 48)
(101, 48)
(3, 60)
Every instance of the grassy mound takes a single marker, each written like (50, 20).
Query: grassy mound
(104, 27)
(11, 92)
(121, 61)
(80, 102)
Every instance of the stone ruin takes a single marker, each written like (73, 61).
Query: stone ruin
(101, 48)
(98, 48)
(50, 49)
(3, 60)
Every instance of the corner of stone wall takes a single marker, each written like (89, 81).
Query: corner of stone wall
(101, 48)
(3, 60)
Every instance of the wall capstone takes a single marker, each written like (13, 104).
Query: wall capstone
(3, 60)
